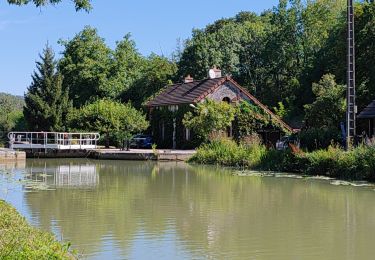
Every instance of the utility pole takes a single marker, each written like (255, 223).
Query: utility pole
(350, 99)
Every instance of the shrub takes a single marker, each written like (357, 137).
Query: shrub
(227, 152)
(357, 164)
(315, 138)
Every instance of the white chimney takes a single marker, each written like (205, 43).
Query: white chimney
(214, 73)
(188, 79)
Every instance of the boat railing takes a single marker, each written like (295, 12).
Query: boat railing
(52, 140)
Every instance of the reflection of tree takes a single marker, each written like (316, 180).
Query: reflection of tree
(213, 213)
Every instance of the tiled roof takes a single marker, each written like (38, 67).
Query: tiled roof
(369, 111)
(185, 93)
(193, 92)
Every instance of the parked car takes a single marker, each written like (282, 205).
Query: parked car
(141, 141)
(284, 142)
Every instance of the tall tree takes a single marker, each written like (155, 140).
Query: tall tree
(46, 101)
(79, 4)
(126, 67)
(85, 66)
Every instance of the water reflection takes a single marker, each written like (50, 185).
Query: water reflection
(79, 175)
(173, 210)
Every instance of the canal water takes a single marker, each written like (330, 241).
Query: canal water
(147, 210)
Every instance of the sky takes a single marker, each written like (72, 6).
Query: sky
(155, 26)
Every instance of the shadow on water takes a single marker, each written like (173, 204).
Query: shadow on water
(122, 209)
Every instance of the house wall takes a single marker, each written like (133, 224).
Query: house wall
(164, 117)
(162, 128)
(227, 90)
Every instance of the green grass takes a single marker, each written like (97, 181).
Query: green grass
(228, 153)
(18, 240)
(357, 164)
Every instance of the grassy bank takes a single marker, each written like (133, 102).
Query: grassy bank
(357, 164)
(18, 240)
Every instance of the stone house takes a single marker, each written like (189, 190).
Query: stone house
(167, 109)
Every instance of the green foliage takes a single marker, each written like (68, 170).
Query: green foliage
(328, 110)
(11, 116)
(19, 240)
(249, 119)
(85, 66)
(110, 118)
(126, 68)
(46, 101)
(357, 164)
(280, 110)
(273, 54)
(156, 73)
(209, 116)
(227, 152)
(92, 70)
(319, 138)
(79, 4)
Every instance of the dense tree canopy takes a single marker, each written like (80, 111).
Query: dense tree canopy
(85, 66)
(79, 4)
(11, 116)
(272, 54)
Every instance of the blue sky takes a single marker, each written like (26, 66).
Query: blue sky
(154, 25)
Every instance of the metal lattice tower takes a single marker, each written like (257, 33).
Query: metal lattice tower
(351, 106)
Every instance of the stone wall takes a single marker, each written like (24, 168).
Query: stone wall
(227, 91)
(11, 155)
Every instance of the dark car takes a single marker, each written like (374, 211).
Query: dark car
(141, 141)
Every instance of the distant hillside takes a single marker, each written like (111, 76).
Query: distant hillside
(15, 102)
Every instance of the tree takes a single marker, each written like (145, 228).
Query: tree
(209, 116)
(46, 101)
(110, 118)
(156, 73)
(328, 110)
(126, 68)
(85, 66)
(11, 117)
(79, 4)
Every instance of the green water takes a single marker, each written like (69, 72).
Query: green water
(145, 210)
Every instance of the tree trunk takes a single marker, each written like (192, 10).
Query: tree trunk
(107, 140)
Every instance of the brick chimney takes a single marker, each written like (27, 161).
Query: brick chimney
(214, 73)
(188, 79)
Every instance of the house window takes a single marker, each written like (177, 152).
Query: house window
(162, 130)
(187, 134)
(227, 100)
(173, 108)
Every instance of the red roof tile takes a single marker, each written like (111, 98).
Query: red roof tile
(193, 92)
(185, 93)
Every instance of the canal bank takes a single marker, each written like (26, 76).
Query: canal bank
(19, 240)
(11, 155)
(115, 154)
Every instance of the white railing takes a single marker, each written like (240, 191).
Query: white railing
(52, 140)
